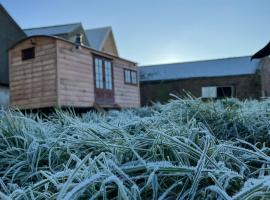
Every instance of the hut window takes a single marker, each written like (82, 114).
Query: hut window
(28, 53)
(130, 77)
(134, 77)
(127, 76)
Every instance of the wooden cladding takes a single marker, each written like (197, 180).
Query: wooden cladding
(33, 74)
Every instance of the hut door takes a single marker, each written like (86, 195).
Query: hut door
(104, 93)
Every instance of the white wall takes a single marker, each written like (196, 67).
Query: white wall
(4, 96)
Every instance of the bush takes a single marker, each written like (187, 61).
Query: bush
(186, 149)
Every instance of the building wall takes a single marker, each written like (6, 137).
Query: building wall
(246, 86)
(10, 33)
(33, 82)
(75, 76)
(4, 96)
(265, 77)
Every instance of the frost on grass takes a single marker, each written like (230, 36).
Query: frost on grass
(186, 149)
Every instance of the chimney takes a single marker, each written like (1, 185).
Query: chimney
(78, 41)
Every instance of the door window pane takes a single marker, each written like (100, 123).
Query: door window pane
(99, 73)
(108, 75)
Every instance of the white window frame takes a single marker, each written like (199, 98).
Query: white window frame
(209, 92)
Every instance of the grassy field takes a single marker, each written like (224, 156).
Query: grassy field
(185, 149)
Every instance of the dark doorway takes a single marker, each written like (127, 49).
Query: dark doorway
(223, 92)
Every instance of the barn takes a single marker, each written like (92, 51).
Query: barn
(219, 78)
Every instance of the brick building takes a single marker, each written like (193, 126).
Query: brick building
(229, 77)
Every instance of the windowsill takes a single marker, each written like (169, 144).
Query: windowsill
(132, 84)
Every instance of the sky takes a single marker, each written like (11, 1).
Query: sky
(160, 31)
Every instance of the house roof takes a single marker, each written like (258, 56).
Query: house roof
(7, 40)
(207, 68)
(97, 36)
(52, 30)
(2, 9)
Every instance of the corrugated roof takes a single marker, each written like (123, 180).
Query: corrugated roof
(52, 30)
(208, 68)
(97, 36)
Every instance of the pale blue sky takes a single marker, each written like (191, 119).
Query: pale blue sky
(160, 31)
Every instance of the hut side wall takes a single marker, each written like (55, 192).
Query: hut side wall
(33, 81)
(75, 76)
(125, 95)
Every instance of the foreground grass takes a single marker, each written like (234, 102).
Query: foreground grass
(186, 149)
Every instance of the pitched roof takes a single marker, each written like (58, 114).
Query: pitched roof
(52, 30)
(207, 68)
(97, 36)
(7, 26)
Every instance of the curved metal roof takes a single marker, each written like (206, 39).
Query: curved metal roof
(62, 39)
(207, 68)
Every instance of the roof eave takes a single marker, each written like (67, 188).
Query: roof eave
(185, 78)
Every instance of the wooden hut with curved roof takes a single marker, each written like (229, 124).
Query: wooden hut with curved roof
(49, 71)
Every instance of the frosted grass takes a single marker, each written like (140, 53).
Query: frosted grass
(186, 149)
